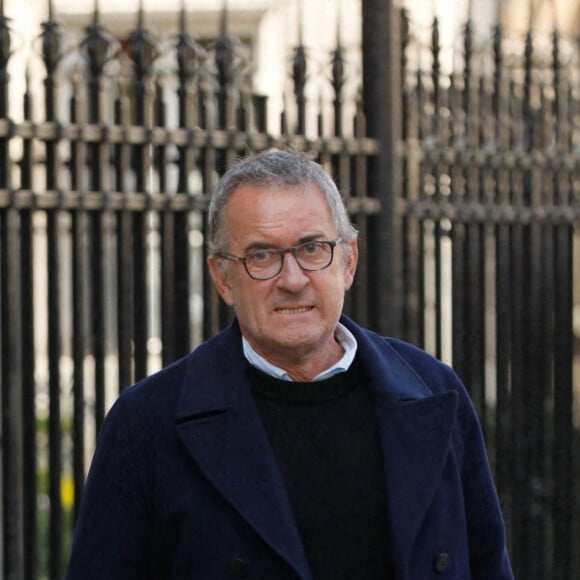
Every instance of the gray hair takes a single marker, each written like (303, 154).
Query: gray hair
(274, 168)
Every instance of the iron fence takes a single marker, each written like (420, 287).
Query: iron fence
(463, 184)
(102, 218)
(490, 261)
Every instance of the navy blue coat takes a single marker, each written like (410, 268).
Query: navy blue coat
(184, 484)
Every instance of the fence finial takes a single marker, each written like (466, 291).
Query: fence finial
(5, 41)
(140, 15)
(96, 13)
(224, 19)
(182, 18)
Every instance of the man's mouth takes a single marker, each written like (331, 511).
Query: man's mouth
(299, 310)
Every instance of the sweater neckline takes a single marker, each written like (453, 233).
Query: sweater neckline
(339, 385)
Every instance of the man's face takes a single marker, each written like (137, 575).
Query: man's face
(293, 315)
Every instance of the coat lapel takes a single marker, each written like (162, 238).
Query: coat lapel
(415, 438)
(415, 430)
(221, 428)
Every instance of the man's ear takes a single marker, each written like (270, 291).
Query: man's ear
(351, 260)
(220, 279)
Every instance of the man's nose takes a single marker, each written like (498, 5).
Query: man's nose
(292, 276)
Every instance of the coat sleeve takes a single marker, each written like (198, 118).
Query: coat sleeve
(488, 554)
(112, 531)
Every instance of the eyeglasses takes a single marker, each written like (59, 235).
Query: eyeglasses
(266, 264)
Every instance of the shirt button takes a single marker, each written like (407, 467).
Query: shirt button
(238, 568)
(441, 563)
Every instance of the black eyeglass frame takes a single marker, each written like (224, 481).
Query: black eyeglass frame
(282, 253)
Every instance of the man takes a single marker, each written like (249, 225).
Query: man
(295, 444)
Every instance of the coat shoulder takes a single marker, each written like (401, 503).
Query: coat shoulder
(437, 374)
(193, 376)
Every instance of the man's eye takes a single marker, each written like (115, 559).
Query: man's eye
(260, 256)
(311, 247)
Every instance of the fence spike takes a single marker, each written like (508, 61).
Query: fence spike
(224, 19)
(50, 11)
(182, 18)
(140, 15)
(5, 43)
(96, 13)
(498, 71)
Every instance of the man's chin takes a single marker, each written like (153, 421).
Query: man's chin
(298, 343)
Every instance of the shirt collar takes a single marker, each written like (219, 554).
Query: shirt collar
(342, 334)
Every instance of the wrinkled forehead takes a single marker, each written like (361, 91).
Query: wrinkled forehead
(278, 210)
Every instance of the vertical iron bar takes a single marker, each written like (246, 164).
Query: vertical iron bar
(563, 457)
(79, 310)
(536, 389)
(360, 164)
(299, 75)
(98, 46)
(166, 236)
(410, 232)
(382, 106)
(226, 117)
(224, 59)
(208, 163)
(11, 381)
(563, 449)
(11, 377)
(28, 357)
(338, 82)
(473, 347)
(533, 351)
(124, 245)
(55, 431)
(143, 52)
(519, 396)
(14, 416)
(420, 221)
(191, 60)
(51, 54)
(436, 171)
(518, 331)
(462, 193)
(5, 53)
(503, 294)
(167, 219)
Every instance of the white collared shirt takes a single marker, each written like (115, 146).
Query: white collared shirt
(342, 334)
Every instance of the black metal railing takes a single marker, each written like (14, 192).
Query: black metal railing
(466, 200)
(490, 243)
(102, 215)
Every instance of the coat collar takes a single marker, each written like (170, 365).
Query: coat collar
(221, 428)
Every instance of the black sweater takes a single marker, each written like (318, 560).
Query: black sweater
(324, 435)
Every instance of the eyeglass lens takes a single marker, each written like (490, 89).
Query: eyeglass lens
(310, 256)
